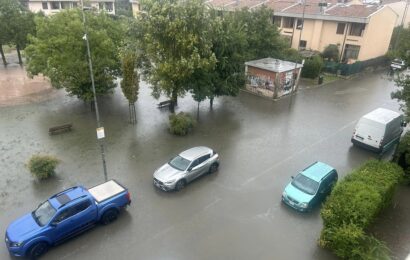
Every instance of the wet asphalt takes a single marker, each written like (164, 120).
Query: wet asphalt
(233, 214)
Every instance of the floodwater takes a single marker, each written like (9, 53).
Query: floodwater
(233, 214)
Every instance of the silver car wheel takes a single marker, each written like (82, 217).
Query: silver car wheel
(180, 185)
(213, 168)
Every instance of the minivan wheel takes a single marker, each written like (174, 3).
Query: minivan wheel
(38, 250)
(109, 217)
(213, 168)
(180, 185)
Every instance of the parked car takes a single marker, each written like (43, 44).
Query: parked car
(186, 167)
(378, 130)
(65, 215)
(310, 187)
(397, 64)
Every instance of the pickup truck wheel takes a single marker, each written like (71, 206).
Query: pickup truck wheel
(37, 250)
(213, 168)
(180, 185)
(109, 216)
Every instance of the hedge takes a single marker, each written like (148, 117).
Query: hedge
(402, 155)
(312, 67)
(353, 205)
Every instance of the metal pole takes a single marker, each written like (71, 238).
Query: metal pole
(93, 88)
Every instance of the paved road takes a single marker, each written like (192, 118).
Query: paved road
(234, 214)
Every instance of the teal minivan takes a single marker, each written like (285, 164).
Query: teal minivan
(310, 187)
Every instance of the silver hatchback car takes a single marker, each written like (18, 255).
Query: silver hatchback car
(185, 167)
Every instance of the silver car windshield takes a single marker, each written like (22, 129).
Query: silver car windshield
(44, 213)
(179, 163)
(305, 184)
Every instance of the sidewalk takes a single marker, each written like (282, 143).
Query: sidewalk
(17, 88)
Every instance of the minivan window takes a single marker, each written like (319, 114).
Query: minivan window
(305, 184)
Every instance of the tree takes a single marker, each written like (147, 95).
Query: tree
(123, 7)
(331, 52)
(129, 82)
(403, 93)
(17, 23)
(174, 37)
(400, 44)
(58, 51)
(312, 67)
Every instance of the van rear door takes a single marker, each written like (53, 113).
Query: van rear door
(369, 132)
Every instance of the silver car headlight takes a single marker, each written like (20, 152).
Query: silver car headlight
(16, 244)
(304, 205)
(284, 194)
(169, 182)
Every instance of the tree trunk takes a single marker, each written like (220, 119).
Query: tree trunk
(133, 115)
(197, 112)
(174, 99)
(2, 55)
(211, 102)
(19, 55)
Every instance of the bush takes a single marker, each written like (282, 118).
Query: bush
(42, 166)
(312, 67)
(402, 155)
(331, 52)
(181, 124)
(353, 205)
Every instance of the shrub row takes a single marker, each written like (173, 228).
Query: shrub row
(402, 155)
(353, 205)
(181, 123)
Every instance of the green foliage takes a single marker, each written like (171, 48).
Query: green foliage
(312, 67)
(123, 8)
(175, 39)
(129, 82)
(59, 51)
(331, 52)
(181, 123)
(402, 155)
(400, 44)
(402, 82)
(368, 190)
(42, 166)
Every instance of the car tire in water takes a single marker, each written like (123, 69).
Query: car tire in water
(213, 168)
(180, 185)
(109, 216)
(38, 250)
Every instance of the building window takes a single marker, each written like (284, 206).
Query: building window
(100, 6)
(55, 5)
(340, 28)
(277, 21)
(65, 5)
(109, 7)
(74, 4)
(351, 52)
(45, 5)
(302, 45)
(356, 29)
(288, 22)
(299, 24)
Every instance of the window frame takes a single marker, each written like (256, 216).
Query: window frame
(355, 28)
(339, 30)
(44, 4)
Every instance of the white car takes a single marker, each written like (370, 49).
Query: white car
(397, 64)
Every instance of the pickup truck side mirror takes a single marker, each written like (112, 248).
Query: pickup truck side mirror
(53, 224)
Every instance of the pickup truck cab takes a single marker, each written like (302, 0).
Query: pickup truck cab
(65, 215)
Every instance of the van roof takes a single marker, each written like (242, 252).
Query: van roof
(317, 171)
(381, 115)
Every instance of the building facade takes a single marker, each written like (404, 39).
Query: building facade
(360, 31)
(49, 7)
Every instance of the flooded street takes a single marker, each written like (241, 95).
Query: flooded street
(233, 214)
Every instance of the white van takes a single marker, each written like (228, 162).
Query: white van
(378, 130)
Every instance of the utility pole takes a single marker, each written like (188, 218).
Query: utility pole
(100, 130)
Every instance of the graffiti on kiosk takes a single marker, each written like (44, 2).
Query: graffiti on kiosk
(259, 81)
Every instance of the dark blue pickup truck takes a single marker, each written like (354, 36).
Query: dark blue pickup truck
(65, 215)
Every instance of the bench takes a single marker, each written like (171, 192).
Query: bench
(60, 129)
(166, 103)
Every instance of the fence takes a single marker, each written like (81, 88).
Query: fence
(357, 67)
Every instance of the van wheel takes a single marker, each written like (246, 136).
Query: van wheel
(37, 250)
(180, 185)
(109, 216)
(213, 168)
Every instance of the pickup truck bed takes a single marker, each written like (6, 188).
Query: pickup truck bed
(106, 190)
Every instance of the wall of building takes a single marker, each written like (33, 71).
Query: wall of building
(37, 6)
(378, 34)
(399, 8)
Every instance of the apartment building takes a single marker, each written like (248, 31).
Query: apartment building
(360, 31)
(49, 7)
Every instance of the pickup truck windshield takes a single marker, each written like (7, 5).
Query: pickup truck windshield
(44, 213)
(179, 163)
(305, 184)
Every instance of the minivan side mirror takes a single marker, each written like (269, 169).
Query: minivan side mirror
(292, 177)
(404, 124)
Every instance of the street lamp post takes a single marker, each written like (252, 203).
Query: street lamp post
(100, 130)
